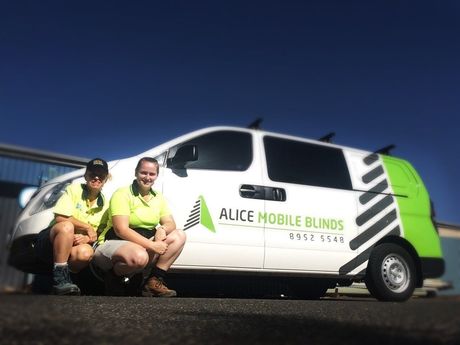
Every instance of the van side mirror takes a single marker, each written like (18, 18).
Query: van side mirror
(185, 154)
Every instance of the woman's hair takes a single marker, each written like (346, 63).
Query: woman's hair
(147, 159)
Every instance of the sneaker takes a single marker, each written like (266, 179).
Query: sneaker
(114, 285)
(62, 284)
(155, 287)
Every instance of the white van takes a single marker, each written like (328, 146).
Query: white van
(261, 204)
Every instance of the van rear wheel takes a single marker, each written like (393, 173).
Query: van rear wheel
(390, 274)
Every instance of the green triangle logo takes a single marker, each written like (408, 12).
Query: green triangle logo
(205, 218)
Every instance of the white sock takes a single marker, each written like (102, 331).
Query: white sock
(60, 264)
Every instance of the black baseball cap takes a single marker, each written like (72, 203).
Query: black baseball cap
(98, 166)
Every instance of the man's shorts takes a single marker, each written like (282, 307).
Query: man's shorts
(44, 248)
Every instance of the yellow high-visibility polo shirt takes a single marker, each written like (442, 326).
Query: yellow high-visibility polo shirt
(74, 203)
(127, 201)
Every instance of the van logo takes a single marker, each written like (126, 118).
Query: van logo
(200, 215)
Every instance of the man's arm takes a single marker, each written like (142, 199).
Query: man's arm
(79, 226)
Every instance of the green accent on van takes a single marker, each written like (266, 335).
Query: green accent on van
(206, 219)
(414, 207)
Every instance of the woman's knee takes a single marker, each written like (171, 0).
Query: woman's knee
(178, 237)
(134, 257)
(140, 258)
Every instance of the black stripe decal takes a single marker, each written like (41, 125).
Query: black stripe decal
(373, 174)
(374, 210)
(373, 230)
(371, 159)
(357, 261)
(373, 192)
(188, 226)
(194, 216)
(194, 212)
(192, 219)
(396, 231)
(361, 274)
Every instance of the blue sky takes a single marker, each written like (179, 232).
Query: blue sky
(114, 78)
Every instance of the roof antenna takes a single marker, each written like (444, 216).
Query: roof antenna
(328, 137)
(256, 123)
(385, 150)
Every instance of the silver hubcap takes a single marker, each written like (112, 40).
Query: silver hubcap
(395, 273)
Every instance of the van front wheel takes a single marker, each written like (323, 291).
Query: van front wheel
(390, 274)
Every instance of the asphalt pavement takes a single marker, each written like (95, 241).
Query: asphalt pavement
(43, 319)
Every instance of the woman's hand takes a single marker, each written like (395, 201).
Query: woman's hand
(160, 234)
(80, 239)
(92, 234)
(158, 247)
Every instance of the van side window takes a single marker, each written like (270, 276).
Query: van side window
(222, 150)
(304, 163)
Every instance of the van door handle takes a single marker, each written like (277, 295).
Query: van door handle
(252, 192)
(262, 192)
(278, 194)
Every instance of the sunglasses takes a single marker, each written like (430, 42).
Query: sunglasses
(94, 176)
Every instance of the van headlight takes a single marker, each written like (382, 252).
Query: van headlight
(50, 197)
(26, 195)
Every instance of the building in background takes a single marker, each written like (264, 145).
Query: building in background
(450, 240)
(21, 168)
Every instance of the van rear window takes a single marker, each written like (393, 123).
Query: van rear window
(304, 163)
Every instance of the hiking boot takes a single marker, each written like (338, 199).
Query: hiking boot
(155, 287)
(62, 284)
(114, 285)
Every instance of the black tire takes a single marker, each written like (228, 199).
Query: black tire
(390, 274)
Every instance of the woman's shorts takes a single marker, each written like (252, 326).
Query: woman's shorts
(104, 252)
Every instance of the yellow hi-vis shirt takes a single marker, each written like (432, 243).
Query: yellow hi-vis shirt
(74, 203)
(127, 201)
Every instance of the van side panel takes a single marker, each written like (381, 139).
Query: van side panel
(377, 210)
(414, 207)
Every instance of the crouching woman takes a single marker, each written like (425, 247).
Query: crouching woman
(140, 236)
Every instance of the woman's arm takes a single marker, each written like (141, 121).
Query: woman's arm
(167, 226)
(122, 229)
